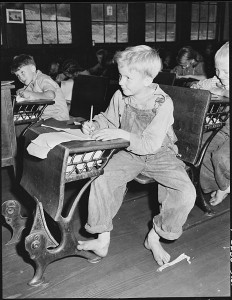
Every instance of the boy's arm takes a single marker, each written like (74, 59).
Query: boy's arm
(43, 88)
(220, 91)
(206, 84)
(30, 95)
(111, 117)
(213, 85)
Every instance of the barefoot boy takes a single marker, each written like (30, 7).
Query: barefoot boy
(215, 170)
(142, 114)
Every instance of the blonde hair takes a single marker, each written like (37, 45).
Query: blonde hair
(222, 53)
(142, 59)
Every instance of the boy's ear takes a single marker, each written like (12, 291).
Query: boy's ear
(148, 80)
(33, 68)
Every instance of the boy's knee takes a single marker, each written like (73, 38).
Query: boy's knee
(189, 194)
(219, 158)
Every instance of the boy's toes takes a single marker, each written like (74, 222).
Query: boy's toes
(82, 245)
(213, 194)
(160, 262)
(167, 258)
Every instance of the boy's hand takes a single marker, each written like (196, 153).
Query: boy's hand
(215, 81)
(27, 95)
(19, 91)
(111, 134)
(218, 91)
(87, 128)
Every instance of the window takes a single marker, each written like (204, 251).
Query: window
(48, 23)
(203, 23)
(160, 22)
(109, 23)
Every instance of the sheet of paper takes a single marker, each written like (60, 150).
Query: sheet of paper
(19, 99)
(214, 96)
(175, 261)
(6, 82)
(76, 132)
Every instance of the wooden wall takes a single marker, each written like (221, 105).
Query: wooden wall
(14, 35)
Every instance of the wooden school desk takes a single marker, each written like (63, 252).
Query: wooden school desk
(45, 179)
(13, 115)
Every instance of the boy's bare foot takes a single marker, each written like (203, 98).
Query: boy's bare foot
(152, 243)
(99, 246)
(218, 196)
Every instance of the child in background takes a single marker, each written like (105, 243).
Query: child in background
(190, 64)
(39, 86)
(100, 69)
(215, 170)
(53, 69)
(143, 115)
(208, 54)
(70, 70)
(167, 59)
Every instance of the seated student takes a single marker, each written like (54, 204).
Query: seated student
(208, 55)
(70, 70)
(39, 86)
(54, 69)
(167, 60)
(215, 170)
(143, 115)
(189, 64)
(100, 69)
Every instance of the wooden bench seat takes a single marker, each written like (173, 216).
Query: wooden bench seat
(194, 114)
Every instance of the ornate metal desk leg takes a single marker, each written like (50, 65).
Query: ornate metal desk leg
(11, 211)
(209, 212)
(37, 242)
(200, 201)
(44, 249)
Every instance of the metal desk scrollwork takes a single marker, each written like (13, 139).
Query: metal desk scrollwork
(45, 179)
(216, 117)
(13, 114)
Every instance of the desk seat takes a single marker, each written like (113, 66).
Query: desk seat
(195, 112)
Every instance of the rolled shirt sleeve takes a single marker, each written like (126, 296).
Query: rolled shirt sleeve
(112, 116)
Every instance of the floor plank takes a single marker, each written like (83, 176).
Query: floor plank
(129, 270)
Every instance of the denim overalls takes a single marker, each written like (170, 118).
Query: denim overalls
(215, 169)
(176, 193)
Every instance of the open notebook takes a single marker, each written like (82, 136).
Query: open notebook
(76, 132)
(40, 146)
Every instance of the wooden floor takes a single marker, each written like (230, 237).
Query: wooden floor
(129, 270)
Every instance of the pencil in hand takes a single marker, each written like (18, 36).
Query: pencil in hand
(91, 115)
(91, 119)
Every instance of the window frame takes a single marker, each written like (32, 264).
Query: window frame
(199, 22)
(163, 22)
(104, 22)
(57, 44)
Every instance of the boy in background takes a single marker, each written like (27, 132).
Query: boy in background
(215, 170)
(39, 86)
(143, 115)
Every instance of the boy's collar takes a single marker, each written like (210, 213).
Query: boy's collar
(36, 75)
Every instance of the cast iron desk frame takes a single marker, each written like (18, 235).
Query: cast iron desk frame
(29, 111)
(216, 117)
(20, 113)
(45, 179)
